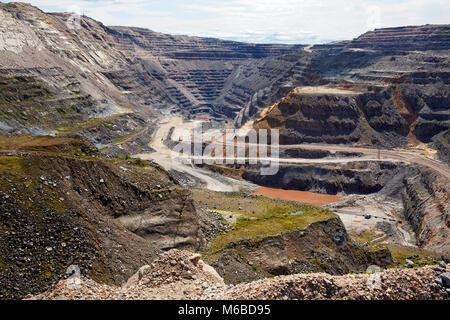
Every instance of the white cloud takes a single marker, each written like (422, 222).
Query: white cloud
(290, 21)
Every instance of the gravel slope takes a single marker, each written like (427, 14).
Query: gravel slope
(183, 275)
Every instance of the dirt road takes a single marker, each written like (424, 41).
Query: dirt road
(370, 155)
(350, 216)
(164, 157)
(404, 156)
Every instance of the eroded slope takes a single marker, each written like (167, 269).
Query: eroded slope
(62, 205)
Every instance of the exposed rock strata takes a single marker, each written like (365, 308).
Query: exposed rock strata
(426, 200)
(387, 116)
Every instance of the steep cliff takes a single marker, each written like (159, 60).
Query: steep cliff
(61, 204)
(321, 246)
(95, 71)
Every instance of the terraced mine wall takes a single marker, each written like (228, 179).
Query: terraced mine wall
(426, 201)
(442, 144)
(133, 69)
(352, 177)
(427, 37)
(100, 71)
(389, 116)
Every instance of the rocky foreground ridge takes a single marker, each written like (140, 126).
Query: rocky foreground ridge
(182, 275)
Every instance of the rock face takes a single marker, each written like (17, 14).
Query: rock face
(442, 144)
(427, 37)
(426, 201)
(61, 206)
(72, 75)
(97, 71)
(352, 177)
(389, 87)
(388, 116)
(322, 247)
(424, 192)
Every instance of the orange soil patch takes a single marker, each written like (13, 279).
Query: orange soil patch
(300, 196)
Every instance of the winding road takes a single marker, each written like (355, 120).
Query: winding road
(165, 157)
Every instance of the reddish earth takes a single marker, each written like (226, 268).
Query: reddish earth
(295, 195)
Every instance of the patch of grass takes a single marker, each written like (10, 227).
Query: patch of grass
(135, 161)
(124, 138)
(245, 204)
(259, 217)
(92, 122)
(20, 177)
(25, 142)
(419, 256)
(367, 236)
(259, 227)
(47, 144)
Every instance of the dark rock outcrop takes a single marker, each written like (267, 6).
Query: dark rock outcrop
(442, 145)
(426, 199)
(352, 177)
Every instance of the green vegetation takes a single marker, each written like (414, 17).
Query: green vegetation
(259, 217)
(21, 176)
(135, 161)
(418, 256)
(446, 136)
(444, 32)
(241, 203)
(368, 237)
(30, 102)
(127, 137)
(92, 122)
(257, 228)
(47, 144)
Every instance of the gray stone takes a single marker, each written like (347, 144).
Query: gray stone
(195, 258)
(327, 282)
(409, 262)
(445, 278)
(442, 264)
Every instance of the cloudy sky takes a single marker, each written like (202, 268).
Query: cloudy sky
(279, 21)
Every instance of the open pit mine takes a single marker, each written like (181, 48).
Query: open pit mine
(98, 201)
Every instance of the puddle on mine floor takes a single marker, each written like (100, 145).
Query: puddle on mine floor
(317, 199)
